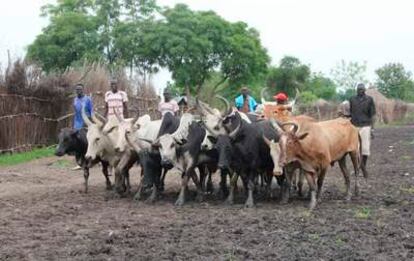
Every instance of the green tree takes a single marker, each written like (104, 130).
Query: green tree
(70, 37)
(196, 44)
(321, 86)
(347, 74)
(395, 82)
(290, 75)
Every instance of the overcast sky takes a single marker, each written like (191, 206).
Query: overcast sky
(319, 32)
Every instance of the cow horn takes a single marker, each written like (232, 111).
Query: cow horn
(295, 126)
(276, 125)
(228, 107)
(97, 121)
(102, 118)
(146, 140)
(235, 131)
(132, 144)
(262, 92)
(85, 117)
(202, 109)
(267, 141)
(292, 103)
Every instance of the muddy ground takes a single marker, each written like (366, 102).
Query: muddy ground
(43, 216)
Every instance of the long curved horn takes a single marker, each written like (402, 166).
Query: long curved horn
(102, 118)
(146, 140)
(85, 117)
(262, 92)
(97, 121)
(292, 103)
(267, 141)
(295, 126)
(235, 131)
(135, 120)
(228, 107)
(202, 108)
(276, 125)
(132, 144)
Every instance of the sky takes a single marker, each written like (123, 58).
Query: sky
(319, 32)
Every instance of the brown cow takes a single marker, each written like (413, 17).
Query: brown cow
(317, 145)
(296, 179)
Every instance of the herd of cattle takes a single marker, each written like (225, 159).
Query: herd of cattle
(236, 144)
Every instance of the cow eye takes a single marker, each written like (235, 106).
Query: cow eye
(216, 128)
(172, 146)
(97, 139)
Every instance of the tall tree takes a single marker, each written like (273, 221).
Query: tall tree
(395, 82)
(321, 86)
(195, 44)
(70, 37)
(347, 74)
(290, 75)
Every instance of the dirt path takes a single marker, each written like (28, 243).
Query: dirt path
(44, 217)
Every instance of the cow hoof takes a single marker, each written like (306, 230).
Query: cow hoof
(249, 205)
(199, 198)
(179, 203)
(108, 187)
(137, 197)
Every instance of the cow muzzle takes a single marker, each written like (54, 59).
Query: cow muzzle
(166, 163)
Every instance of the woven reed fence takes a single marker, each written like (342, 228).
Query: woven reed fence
(28, 122)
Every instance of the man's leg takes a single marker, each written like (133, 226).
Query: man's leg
(365, 133)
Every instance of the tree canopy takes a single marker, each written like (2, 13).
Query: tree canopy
(395, 82)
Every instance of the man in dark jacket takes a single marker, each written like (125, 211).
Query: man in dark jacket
(362, 109)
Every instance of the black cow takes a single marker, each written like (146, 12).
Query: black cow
(251, 152)
(74, 142)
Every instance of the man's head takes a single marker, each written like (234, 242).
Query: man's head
(361, 89)
(281, 98)
(114, 85)
(245, 91)
(167, 95)
(79, 90)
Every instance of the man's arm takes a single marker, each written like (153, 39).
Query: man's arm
(373, 112)
(106, 109)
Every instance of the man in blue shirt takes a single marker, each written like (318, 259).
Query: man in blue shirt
(80, 101)
(245, 103)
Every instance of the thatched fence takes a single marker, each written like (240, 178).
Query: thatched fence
(34, 107)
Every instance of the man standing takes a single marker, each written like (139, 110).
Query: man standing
(245, 103)
(362, 109)
(116, 102)
(168, 105)
(80, 101)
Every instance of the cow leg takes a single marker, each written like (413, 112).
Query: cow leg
(300, 182)
(106, 174)
(202, 171)
(250, 189)
(233, 183)
(140, 190)
(162, 184)
(200, 192)
(181, 198)
(86, 177)
(321, 178)
(354, 159)
(310, 177)
(285, 187)
(210, 186)
(223, 192)
(345, 173)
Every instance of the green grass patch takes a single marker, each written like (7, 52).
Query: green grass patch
(406, 157)
(409, 190)
(18, 158)
(363, 213)
(62, 163)
(339, 241)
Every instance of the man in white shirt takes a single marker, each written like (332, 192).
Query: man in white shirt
(116, 102)
(168, 105)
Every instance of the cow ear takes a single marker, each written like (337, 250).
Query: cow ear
(212, 139)
(302, 136)
(182, 142)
